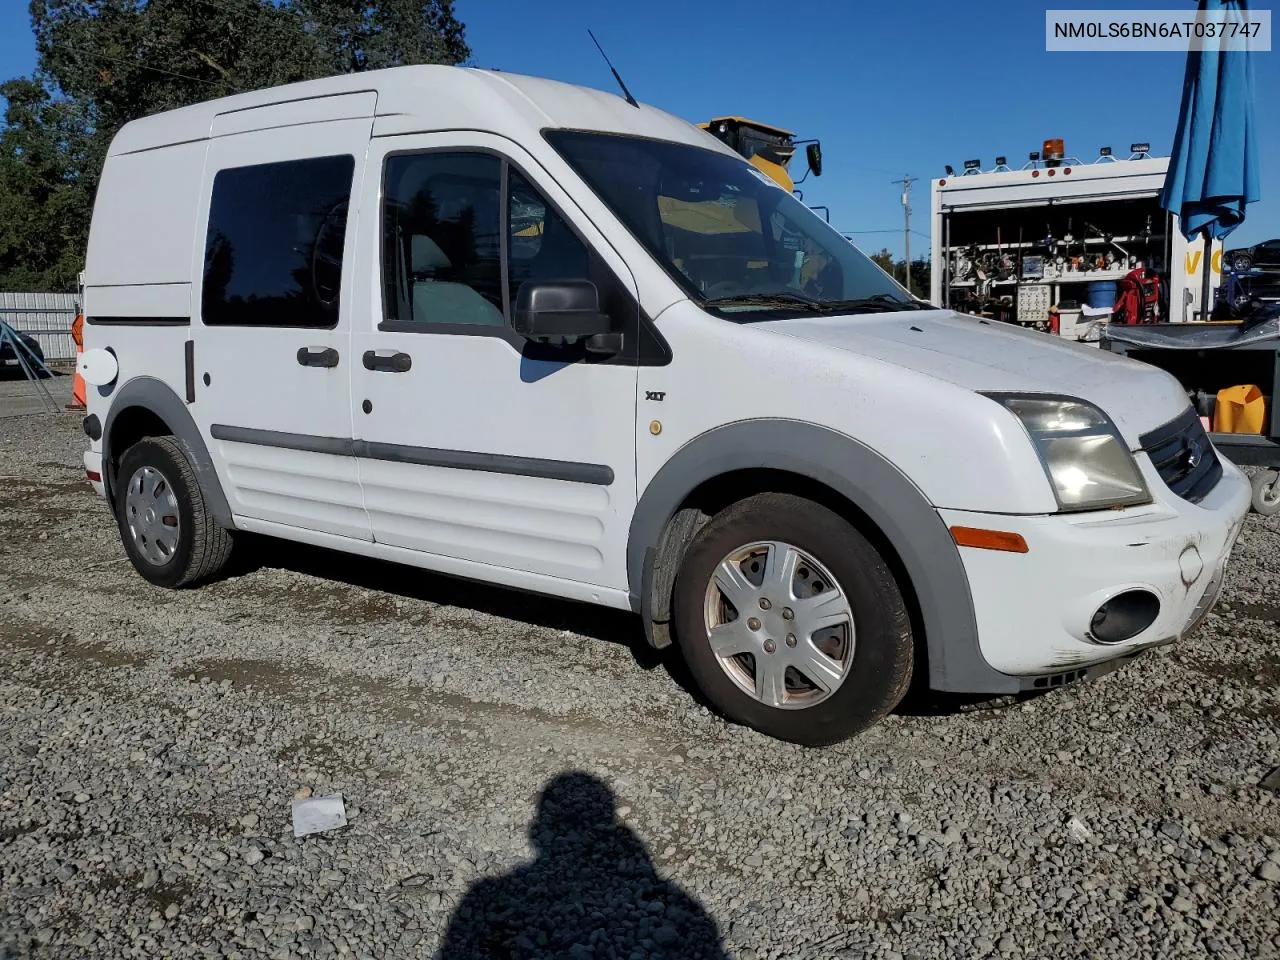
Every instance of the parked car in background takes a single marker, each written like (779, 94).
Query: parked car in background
(9, 360)
(1264, 256)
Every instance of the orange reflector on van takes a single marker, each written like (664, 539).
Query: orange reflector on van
(989, 539)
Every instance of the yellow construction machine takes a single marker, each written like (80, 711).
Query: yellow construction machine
(768, 148)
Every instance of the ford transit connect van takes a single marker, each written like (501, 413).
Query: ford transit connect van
(530, 334)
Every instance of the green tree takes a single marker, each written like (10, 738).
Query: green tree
(367, 35)
(884, 259)
(101, 64)
(921, 271)
(43, 204)
(921, 276)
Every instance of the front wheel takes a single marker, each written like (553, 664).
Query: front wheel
(791, 621)
(1242, 263)
(166, 528)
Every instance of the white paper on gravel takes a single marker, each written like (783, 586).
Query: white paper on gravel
(318, 814)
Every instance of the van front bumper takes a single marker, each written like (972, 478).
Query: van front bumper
(1034, 610)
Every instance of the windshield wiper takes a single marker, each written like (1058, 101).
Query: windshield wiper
(782, 300)
(880, 303)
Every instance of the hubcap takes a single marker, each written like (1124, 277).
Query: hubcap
(151, 512)
(795, 648)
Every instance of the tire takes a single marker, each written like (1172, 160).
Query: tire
(155, 475)
(41, 371)
(1266, 493)
(1242, 263)
(871, 646)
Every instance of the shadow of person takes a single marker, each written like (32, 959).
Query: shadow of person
(592, 892)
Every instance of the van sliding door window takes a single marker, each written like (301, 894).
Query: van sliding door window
(274, 248)
(442, 239)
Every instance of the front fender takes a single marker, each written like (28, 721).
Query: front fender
(866, 480)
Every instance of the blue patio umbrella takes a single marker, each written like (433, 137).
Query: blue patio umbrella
(1213, 173)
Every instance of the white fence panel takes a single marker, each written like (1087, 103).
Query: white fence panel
(45, 316)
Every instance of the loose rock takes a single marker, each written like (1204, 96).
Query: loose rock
(1113, 818)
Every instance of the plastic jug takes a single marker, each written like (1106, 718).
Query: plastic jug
(1101, 293)
(1240, 409)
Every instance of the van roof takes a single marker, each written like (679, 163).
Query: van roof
(421, 98)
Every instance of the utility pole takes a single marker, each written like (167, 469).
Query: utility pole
(906, 182)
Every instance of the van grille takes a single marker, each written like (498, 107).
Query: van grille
(1184, 457)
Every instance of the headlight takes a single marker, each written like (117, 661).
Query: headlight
(1083, 454)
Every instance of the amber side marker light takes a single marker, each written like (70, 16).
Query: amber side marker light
(989, 539)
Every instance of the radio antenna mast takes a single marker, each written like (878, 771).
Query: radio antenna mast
(625, 92)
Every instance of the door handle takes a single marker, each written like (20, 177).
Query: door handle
(392, 363)
(318, 356)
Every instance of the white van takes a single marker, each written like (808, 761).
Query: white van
(531, 334)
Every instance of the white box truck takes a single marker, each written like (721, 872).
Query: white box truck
(1049, 246)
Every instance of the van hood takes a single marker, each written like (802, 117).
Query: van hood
(987, 355)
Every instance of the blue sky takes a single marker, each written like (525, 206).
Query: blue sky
(889, 88)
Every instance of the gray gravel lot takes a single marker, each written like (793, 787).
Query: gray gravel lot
(523, 780)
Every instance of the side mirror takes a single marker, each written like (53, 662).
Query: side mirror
(555, 309)
(813, 153)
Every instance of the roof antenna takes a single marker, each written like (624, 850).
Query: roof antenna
(625, 92)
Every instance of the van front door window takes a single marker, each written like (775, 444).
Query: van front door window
(443, 226)
(540, 246)
(442, 243)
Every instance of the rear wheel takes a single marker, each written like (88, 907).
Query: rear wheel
(165, 526)
(791, 622)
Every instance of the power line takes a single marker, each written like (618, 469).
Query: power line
(918, 233)
(143, 66)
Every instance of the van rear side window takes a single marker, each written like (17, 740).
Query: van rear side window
(273, 252)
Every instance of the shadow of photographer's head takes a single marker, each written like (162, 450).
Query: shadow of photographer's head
(571, 804)
(591, 887)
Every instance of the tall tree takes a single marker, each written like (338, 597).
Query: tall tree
(102, 63)
(884, 260)
(921, 271)
(373, 34)
(43, 199)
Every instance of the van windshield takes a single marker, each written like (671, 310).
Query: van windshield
(731, 237)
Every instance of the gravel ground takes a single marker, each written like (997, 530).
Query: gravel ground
(522, 779)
